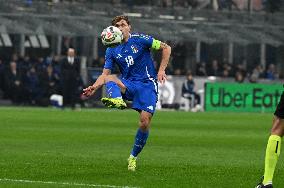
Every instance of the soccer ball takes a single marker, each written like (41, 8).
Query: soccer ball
(111, 36)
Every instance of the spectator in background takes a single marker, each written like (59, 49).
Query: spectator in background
(24, 64)
(70, 74)
(227, 70)
(225, 73)
(188, 89)
(49, 82)
(241, 68)
(239, 77)
(257, 72)
(271, 73)
(13, 81)
(40, 65)
(201, 69)
(32, 85)
(214, 69)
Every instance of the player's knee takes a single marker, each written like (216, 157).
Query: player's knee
(277, 127)
(113, 78)
(144, 123)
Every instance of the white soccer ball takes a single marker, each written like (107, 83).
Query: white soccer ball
(111, 36)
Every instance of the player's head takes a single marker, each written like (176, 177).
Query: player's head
(123, 23)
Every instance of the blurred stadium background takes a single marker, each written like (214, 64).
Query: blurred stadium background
(232, 40)
(233, 48)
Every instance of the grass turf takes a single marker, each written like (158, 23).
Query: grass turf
(184, 149)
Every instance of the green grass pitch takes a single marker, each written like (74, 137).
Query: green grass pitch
(89, 148)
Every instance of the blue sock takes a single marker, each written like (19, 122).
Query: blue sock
(140, 141)
(112, 89)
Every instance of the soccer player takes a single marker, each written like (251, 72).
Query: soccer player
(138, 80)
(273, 145)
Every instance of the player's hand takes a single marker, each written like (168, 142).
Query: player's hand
(89, 91)
(162, 77)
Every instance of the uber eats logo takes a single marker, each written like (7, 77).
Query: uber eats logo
(242, 97)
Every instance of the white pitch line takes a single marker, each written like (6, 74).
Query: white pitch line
(64, 183)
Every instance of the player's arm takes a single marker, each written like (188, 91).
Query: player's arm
(102, 78)
(89, 91)
(166, 53)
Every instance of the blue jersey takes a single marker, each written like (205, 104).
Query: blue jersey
(133, 58)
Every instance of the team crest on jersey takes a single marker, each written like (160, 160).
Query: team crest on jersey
(134, 49)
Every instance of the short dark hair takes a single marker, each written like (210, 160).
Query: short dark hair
(119, 18)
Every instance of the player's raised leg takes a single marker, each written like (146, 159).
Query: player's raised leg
(140, 138)
(114, 87)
